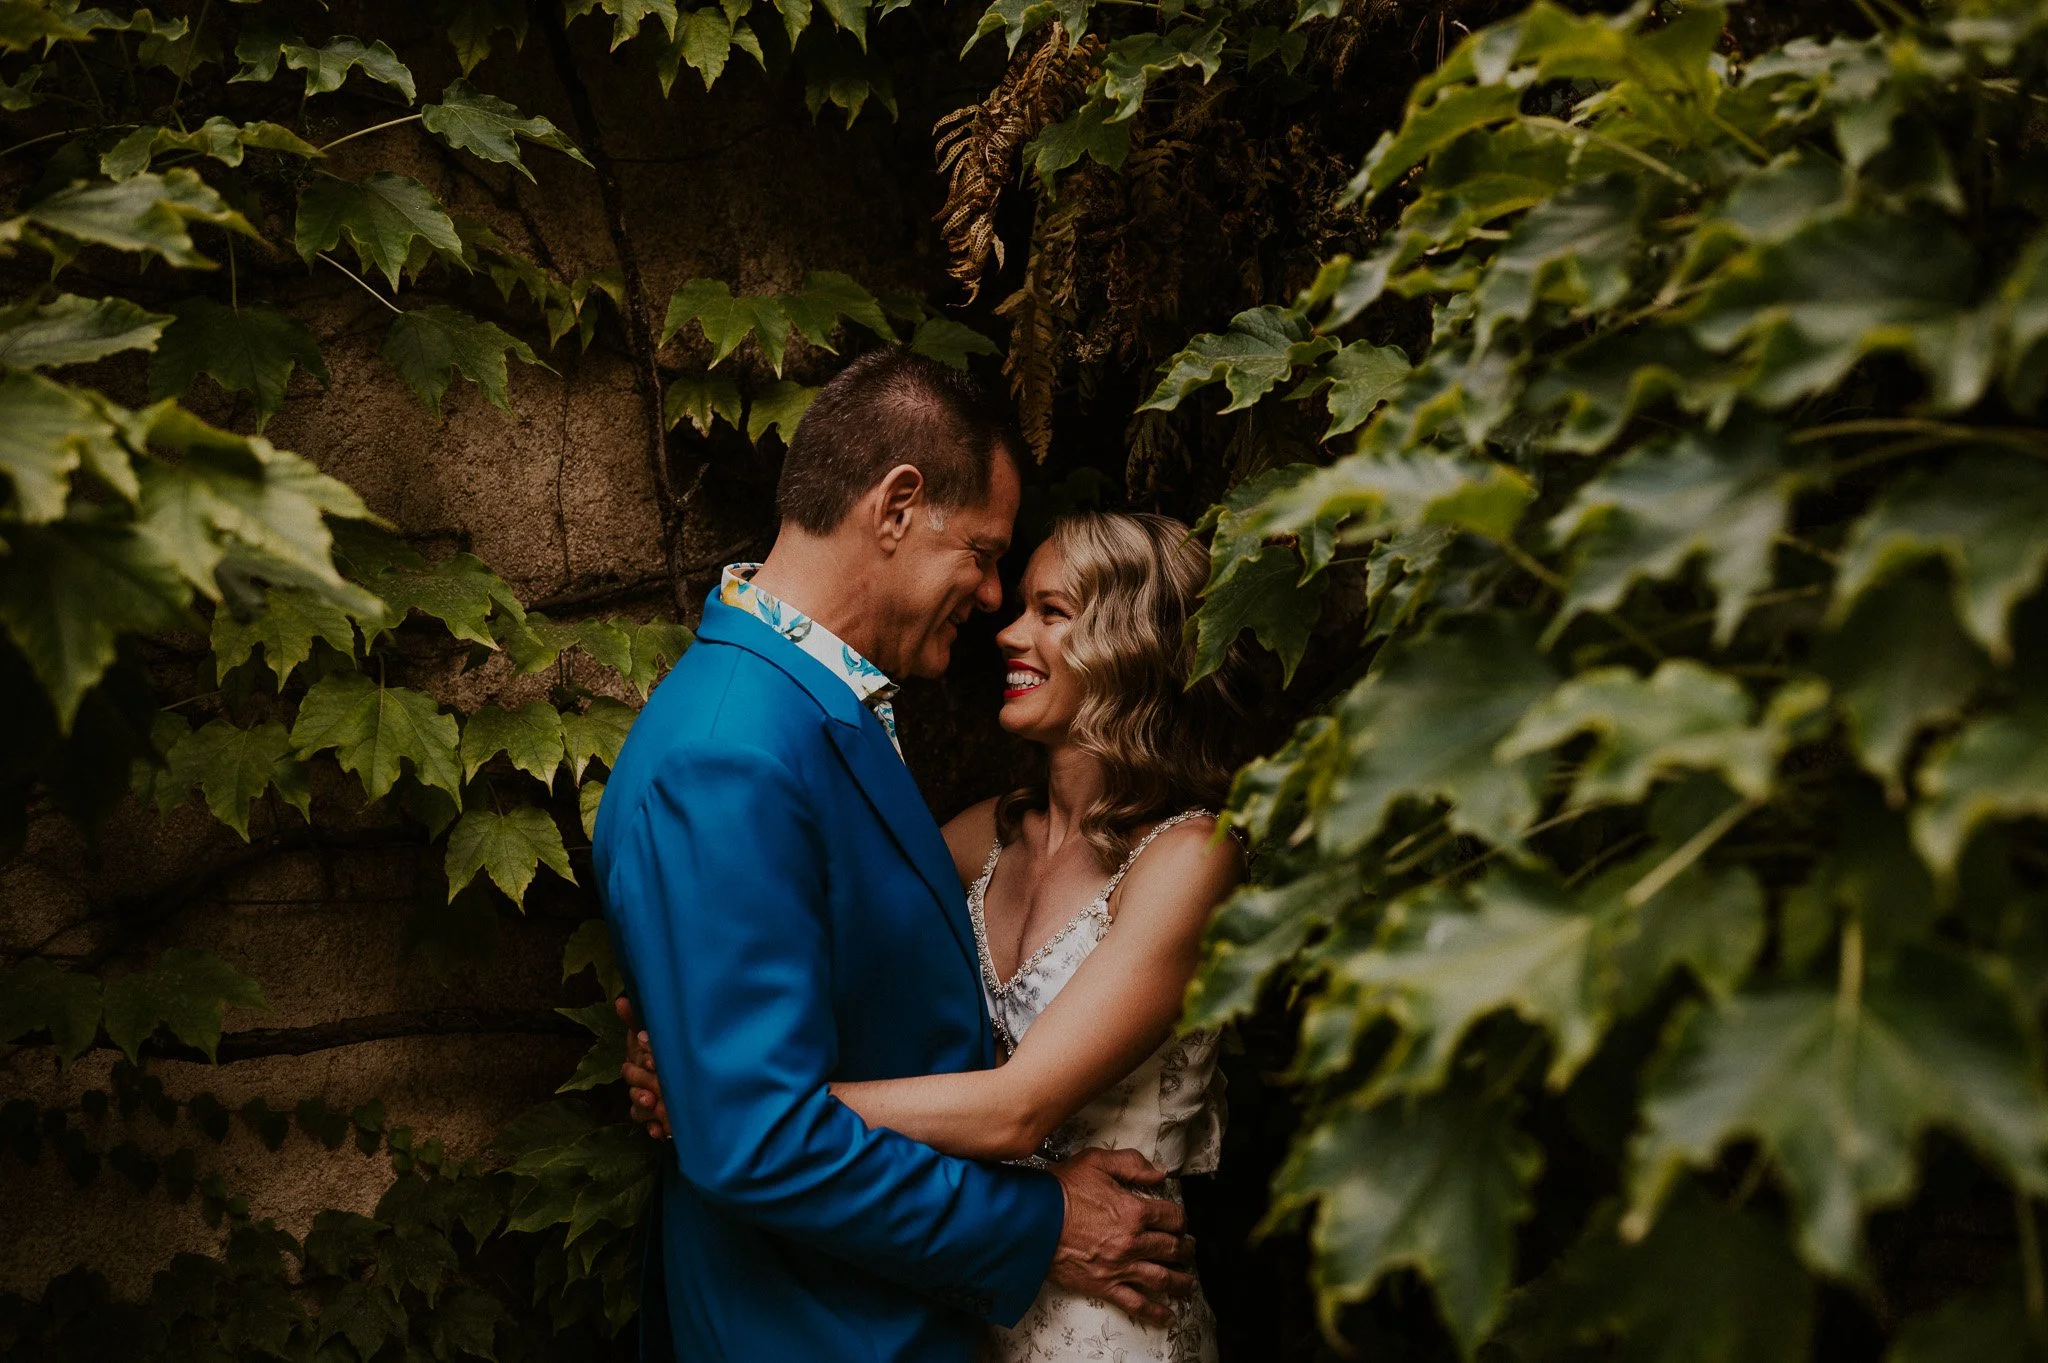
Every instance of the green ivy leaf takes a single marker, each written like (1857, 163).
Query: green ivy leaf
(600, 1064)
(1360, 377)
(509, 846)
(599, 732)
(1263, 346)
(234, 766)
(1725, 497)
(588, 795)
(779, 407)
(845, 76)
(428, 346)
(1575, 249)
(704, 39)
(1709, 1284)
(459, 591)
(47, 431)
(1435, 1184)
(590, 948)
(1425, 725)
(703, 398)
(727, 321)
(1838, 1094)
(1996, 767)
(25, 24)
(1441, 966)
(488, 128)
(376, 728)
(1683, 717)
(290, 620)
(531, 736)
(37, 996)
(219, 137)
(1088, 133)
(188, 992)
(73, 330)
(1982, 516)
(950, 342)
(1262, 593)
(149, 213)
(1130, 64)
(70, 590)
(829, 296)
(249, 350)
(466, 1322)
(1257, 931)
(1015, 18)
(328, 66)
(629, 15)
(383, 214)
(1429, 127)
(472, 24)
(1900, 663)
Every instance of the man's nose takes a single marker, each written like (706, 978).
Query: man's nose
(989, 595)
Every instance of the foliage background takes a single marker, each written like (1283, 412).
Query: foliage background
(1589, 988)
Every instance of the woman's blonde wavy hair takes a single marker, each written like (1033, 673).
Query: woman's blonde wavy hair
(1164, 745)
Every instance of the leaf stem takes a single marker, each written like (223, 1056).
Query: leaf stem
(1690, 851)
(2030, 1260)
(65, 132)
(365, 132)
(1531, 565)
(364, 282)
(178, 91)
(2016, 437)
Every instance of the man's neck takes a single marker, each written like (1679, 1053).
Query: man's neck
(812, 574)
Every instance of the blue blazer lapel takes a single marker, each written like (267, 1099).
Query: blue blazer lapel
(868, 754)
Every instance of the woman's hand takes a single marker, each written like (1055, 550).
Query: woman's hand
(638, 1072)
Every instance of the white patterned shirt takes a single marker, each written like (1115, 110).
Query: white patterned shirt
(869, 683)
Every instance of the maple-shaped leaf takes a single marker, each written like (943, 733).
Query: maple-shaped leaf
(600, 1064)
(1435, 1184)
(1360, 377)
(531, 736)
(25, 24)
(1899, 663)
(286, 626)
(1710, 1283)
(464, 1324)
(629, 15)
(827, 297)
(1424, 725)
(1981, 515)
(1130, 63)
(73, 330)
(1429, 125)
(705, 39)
(703, 398)
(1364, 495)
(1263, 592)
(727, 320)
(1995, 768)
(846, 76)
(70, 590)
(187, 992)
(1723, 496)
(1441, 965)
(950, 342)
(1015, 18)
(383, 214)
(1685, 716)
(36, 996)
(219, 137)
(249, 349)
(1575, 249)
(472, 24)
(1257, 931)
(599, 732)
(1087, 132)
(47, 431)
(654, 645)
(779, 407)
(489, 128)
(1263, 346)
(1602, 384)
(588, 795)
(460, 591)
(1839, 1093)
(326, 67)
(1809, 308)
(234, 766)
(148, 213)
(374, 729)
(509, 847)
(428, 346)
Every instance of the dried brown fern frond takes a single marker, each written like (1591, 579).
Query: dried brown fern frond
(1041, 315)
(978, 144)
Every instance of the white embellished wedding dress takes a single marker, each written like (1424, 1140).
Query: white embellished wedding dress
(1169, 1109)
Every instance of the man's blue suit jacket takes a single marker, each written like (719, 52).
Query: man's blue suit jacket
(786, 915)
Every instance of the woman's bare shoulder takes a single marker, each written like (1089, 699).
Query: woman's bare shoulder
(1189, 863)
(969, 835)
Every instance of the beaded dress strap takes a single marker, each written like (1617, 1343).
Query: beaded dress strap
(1139, 850)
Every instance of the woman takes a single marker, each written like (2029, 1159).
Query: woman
(1085, 999)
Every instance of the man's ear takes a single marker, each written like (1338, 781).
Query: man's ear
(895, 503)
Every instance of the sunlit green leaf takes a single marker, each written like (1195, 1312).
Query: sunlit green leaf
(489, 128)
(508, 846)
(382, 214)
(374, 729)
(530, 736)
(73, 330)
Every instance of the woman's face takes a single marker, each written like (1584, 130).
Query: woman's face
(1041, 694)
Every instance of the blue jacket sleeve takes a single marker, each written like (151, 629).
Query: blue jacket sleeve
(716, 891)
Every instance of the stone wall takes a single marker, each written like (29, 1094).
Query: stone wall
(740, 184)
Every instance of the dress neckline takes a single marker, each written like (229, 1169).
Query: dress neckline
(1096, 908)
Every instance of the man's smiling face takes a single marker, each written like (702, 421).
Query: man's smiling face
(946, 570)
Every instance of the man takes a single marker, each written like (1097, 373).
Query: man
(787, 914)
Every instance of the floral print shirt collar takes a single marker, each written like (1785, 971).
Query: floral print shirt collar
(869, 683)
